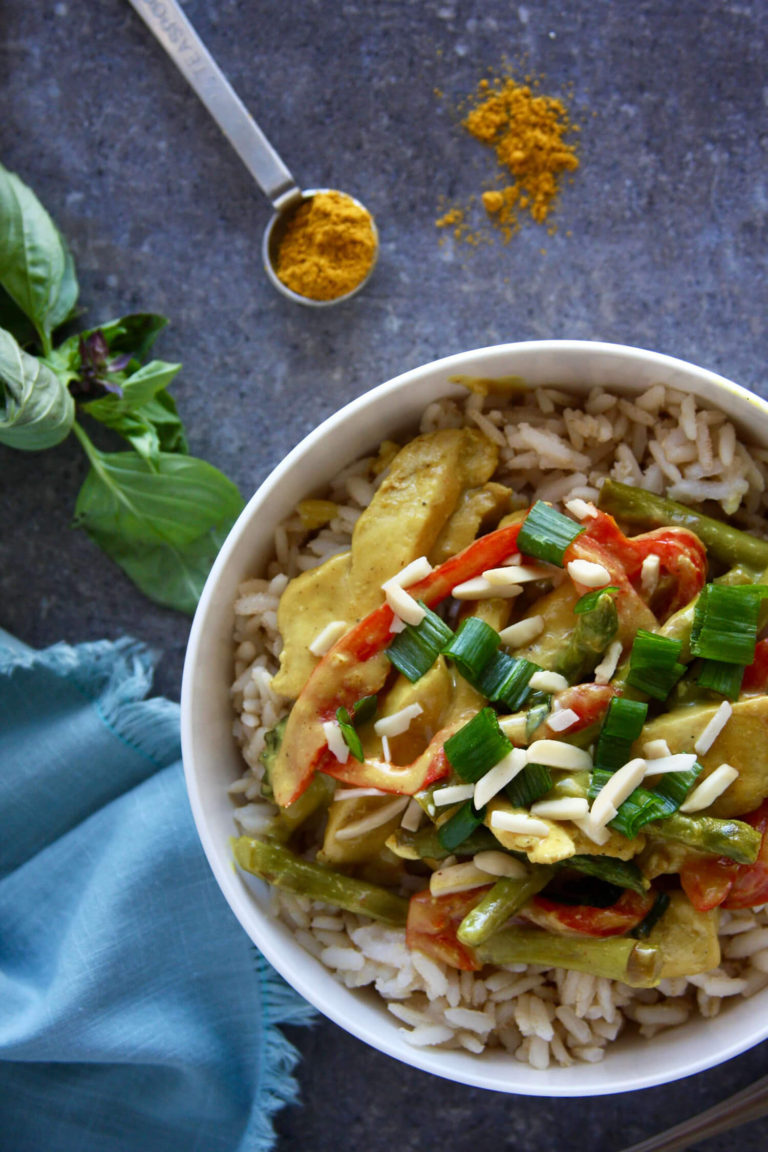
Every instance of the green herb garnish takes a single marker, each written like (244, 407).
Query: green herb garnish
(460, 826)
(506, 680)
(528, 786)
(477, 746)
(653, 664)
(159, 513)
(725, 622)
(414, 650)
(622, 725)
(717, 676)
(547, 533)
(472, 646)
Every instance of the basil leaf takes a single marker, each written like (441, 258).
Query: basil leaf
(36, 409)
(145, 382)
(146, 413)
(152, 427)
(161, 412)
(36, 268)
(134, 333)
(163, 521)
(138, 390)
(14, 321)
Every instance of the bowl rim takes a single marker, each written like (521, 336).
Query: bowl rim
(266, 934)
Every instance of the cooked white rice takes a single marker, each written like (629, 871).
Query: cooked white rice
(552, 450)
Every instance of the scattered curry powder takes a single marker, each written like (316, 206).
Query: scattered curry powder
(328, 247)
(528, 134)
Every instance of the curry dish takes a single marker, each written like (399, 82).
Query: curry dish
(531, 736)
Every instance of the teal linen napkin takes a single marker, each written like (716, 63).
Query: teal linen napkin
(134, 1012)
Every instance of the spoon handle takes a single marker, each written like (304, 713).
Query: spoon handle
(749, 1104)
(172, 29)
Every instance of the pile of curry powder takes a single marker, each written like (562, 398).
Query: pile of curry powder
(528, 132)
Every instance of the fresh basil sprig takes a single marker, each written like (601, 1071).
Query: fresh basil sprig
(36, 408)
(160, 513)
(162, 520)
(36, 268)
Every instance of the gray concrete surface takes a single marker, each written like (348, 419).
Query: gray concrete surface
(660, 242)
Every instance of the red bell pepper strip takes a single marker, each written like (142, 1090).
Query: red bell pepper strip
(715, 881)
(433, 922)
(431, 765)
(682, 557)
(632, 610)
(355, 666)
(585, 920)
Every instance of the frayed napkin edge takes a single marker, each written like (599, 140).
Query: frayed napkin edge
(115, 675)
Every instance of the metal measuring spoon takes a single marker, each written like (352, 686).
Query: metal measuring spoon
(173, 31)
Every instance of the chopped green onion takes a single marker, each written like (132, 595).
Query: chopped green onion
(546, 534)
(622, 873)
(653, 664)
(720, 677)
(460, 826)
(645, 805)
(351, 738)
(644, 928)
(505, 680)
(414, 650)
(624, 719)
(622, 726)
(675, 786)
(364, 709)
(725, 622)
(528, 786)
(477, 746)
(472, 646)
(641, 808)
(589, 600)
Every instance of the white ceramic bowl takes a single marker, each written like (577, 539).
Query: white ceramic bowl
(212, 761)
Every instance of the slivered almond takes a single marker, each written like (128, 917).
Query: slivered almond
(588, 574)
(327, 637)
(522, 632)
(563, 808)
(713, 728)
(559, 754)
(613, 794)
(499, 776)
(398, 722)
(520, 823)
(708, 790)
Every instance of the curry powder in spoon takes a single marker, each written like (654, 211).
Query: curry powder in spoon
(327, 248)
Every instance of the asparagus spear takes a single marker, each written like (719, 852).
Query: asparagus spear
(732, 838)
(643, 510)
(589, 639)
(507, 896)
(277, 865)
(615, 957)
